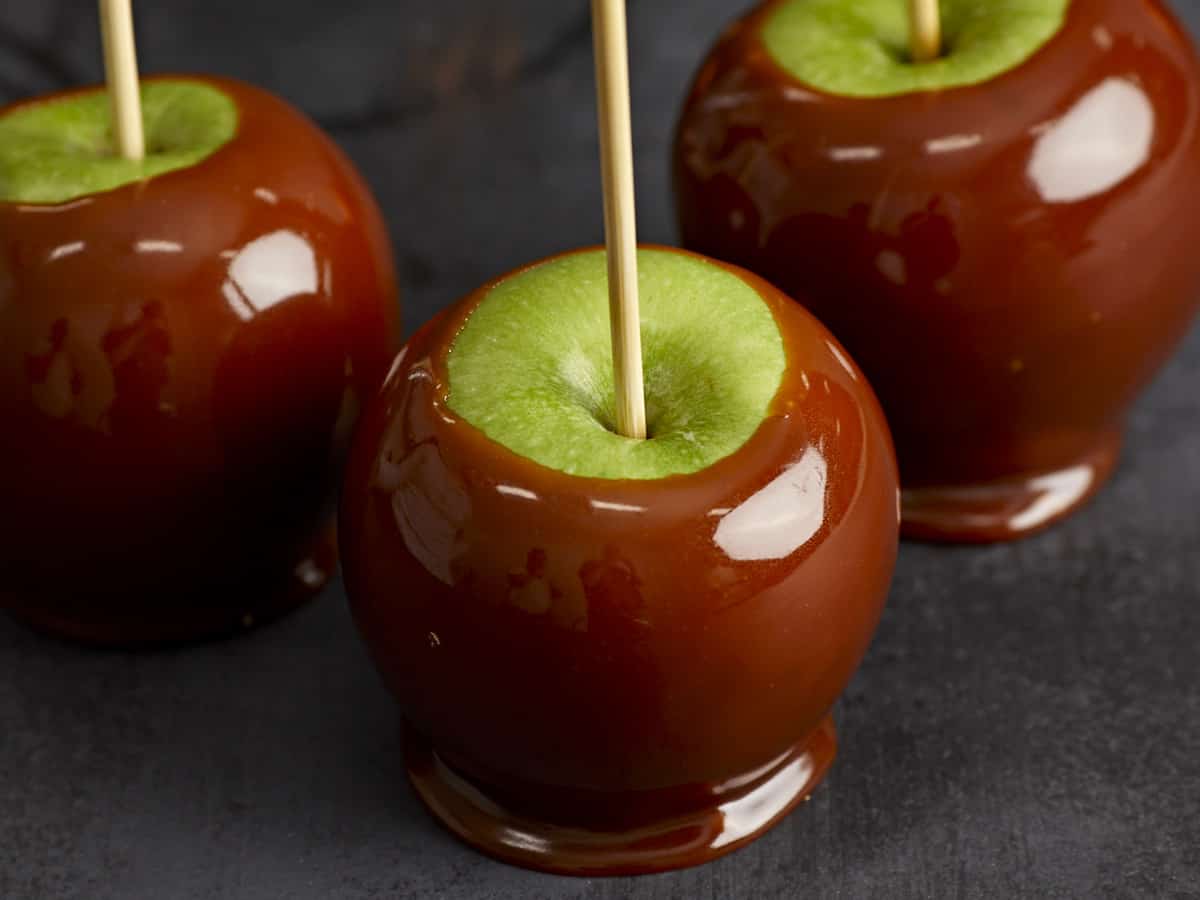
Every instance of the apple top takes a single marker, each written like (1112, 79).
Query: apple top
(532, 366)
(60, 149)
(860, 48)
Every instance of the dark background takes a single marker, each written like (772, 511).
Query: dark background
(1027, 723)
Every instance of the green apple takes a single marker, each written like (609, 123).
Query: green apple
(60, 149)
(532, 366)
(859, 48)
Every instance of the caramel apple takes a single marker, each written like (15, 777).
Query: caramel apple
(1001, 237)
(616, 655)
(184, 345)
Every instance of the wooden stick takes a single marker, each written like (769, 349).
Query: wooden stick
(120, 64)
(925, 30)
(620, 221)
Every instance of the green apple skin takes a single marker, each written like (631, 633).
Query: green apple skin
(532, 367)
(61, 149)
(859, 48)
(619, 656)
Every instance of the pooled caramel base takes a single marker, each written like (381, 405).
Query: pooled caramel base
(1010, 509)
(592, 833)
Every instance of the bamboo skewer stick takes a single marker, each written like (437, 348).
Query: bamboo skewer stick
(925, 30)
(120, 65)
(620, 221)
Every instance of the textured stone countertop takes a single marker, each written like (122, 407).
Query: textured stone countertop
(1027, 723)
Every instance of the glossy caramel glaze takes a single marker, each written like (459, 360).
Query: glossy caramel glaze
(181, 361)
(599, 657)
(1009, 262)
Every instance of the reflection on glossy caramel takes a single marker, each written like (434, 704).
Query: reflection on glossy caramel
(180, 361)
(1102, 140)
(781, 517)
(603, 654)
(1009, 262)
(269, 270)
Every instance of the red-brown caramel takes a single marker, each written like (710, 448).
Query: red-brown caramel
(180, 361)
(1009, 262)
(605, 687)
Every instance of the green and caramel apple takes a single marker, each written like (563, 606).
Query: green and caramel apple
(619, 655)
(185, 341)
(1001, 235)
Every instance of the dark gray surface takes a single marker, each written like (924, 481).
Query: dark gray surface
(1027, 723)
